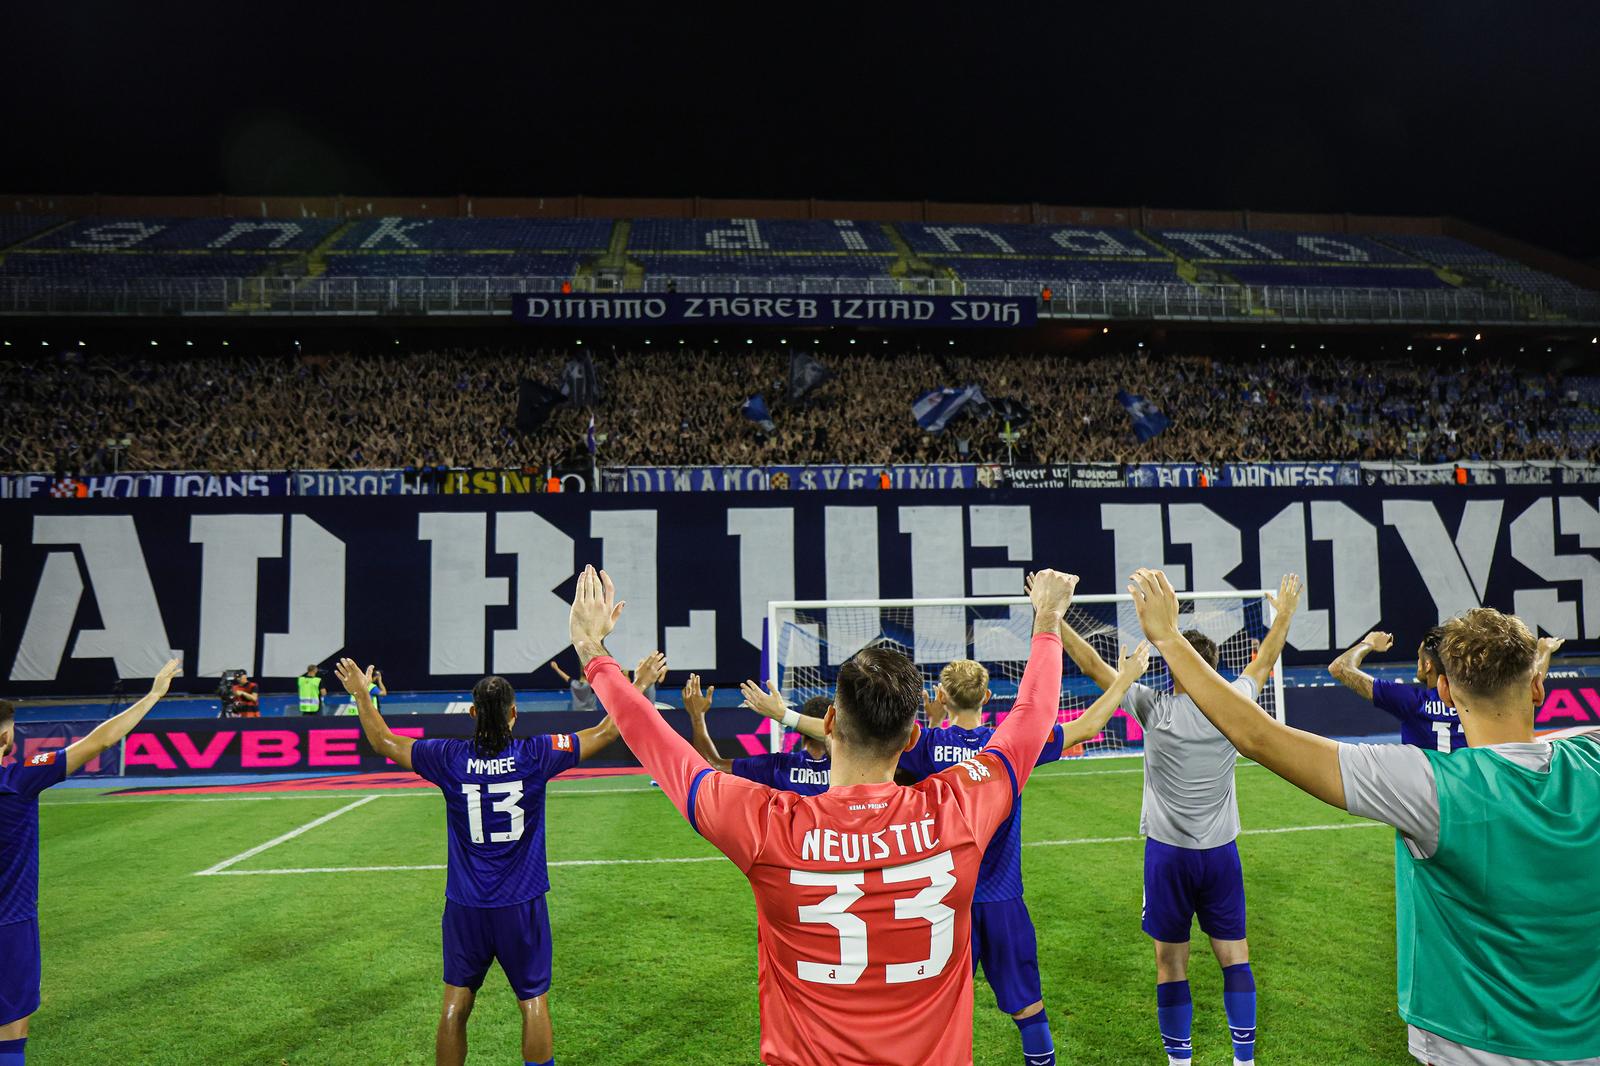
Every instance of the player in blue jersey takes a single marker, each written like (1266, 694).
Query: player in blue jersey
(20, 785)
(1426, 721)
(494, 788)
(803, 771)
(1003, 941)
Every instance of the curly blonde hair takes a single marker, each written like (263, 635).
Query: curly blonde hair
(964, 682)
(1486, 652)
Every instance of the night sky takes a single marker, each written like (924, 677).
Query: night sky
(1487, 110)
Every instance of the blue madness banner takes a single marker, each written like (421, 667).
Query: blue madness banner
(440, 590)
(776, 309)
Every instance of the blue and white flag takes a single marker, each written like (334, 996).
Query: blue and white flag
(755, 409)
(936, 407)
(588, 437)
(806, 374)
(1148, 421)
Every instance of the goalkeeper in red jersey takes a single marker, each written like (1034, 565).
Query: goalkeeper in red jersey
(864, 893)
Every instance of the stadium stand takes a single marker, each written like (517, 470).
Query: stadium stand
(459, 408)
(785, 255)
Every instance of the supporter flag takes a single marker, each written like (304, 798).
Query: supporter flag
(936, 407)
(534, 403)
(755, 409)
(1148, 421)
(579, 383)
(806, 375)
(67, 488)
(588, 437)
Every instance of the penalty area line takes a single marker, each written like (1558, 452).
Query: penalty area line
(222, 867)
(718, 858)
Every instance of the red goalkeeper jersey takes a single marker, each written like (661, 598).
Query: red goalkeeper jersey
(864, 893)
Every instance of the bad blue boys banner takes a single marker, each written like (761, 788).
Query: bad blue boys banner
(776, 309)
(440, 590)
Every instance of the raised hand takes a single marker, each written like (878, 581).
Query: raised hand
(767, 701)
(1131, 668)
(693, 701)
(1156, 604)
(1548, 646)
(1288, 597)
(1051, 591)
(651, 669)
(352, 677)
(595, 609)
(1379, 641)
(163, 679)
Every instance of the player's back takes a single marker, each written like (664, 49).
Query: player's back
(20, 785)
(1189, 798)
(941, 747)
(864, 899)
(495, 814)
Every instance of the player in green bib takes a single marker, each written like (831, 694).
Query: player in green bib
(311, 691)
(1498, 849)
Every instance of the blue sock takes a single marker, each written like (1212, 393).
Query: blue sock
(1038, 1047)
(551, 1062)
(1239, 1002)
(13, 1052)
(1175, 1015)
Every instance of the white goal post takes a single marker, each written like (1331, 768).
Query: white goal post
(808, 640)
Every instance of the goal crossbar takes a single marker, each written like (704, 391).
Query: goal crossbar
(775, 608)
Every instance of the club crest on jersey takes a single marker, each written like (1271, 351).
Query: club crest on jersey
(44, 758)
(563, 742)
(975, 769)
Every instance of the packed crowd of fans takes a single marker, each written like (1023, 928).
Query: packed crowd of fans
(73, 412)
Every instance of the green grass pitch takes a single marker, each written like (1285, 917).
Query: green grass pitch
(144, 962)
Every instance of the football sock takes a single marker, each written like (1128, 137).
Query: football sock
(550, 1062)
(1038, 1047)
(1175, 1015)
(13, 1052)
(1239, 1002)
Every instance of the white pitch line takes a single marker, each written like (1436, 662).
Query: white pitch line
(719, 858)
(427, 793)
(1246, 832)
(290, 835)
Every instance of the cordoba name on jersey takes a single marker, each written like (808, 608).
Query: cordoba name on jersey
(830, 845)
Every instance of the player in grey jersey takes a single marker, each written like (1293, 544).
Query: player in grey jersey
(1190, 819)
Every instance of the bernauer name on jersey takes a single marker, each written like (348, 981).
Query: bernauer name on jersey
(952, 754)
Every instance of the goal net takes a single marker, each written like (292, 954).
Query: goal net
(808, 641)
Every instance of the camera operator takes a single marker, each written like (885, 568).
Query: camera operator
(246, 703)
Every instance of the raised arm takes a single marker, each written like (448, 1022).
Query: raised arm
(1283, 606)
(1022, 735)
(668, 757)
(115, 728)
(651, 669)
(697, 704)
(1085, 658)
(596, 738)
(770, 703)
(566, 678)
(384, 741)
(1548, 646)
(1346, 669)
(1303, 759)
(1088, 725)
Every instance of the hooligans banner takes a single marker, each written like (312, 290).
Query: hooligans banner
(777, 309)
(443, 589)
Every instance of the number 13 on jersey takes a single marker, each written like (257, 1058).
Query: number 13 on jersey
(505, 796)
(937, 870)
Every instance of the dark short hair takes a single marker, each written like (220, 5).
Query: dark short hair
(877, 697)
(816, 707)
(1202, 644)
(1430, 647)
